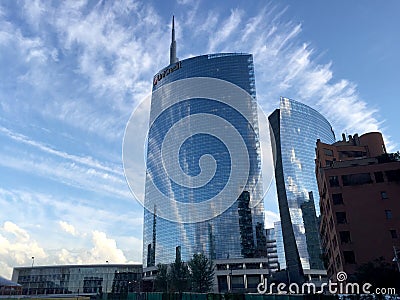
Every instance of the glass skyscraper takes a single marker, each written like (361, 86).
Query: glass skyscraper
(294, 129)
(200, 119)
(280, 248)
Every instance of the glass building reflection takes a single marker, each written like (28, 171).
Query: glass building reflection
(279, 245)
(231, 234)
(294, 129)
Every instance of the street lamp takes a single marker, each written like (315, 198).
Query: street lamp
(31, 276)
(107, 277)
(230, 280)
(396, 257)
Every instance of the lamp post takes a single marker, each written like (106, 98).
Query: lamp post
(31, 276)
(106, 278)
(230, 280)
(396, 257)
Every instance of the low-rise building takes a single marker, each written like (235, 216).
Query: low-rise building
(79, 279)
(8, 287)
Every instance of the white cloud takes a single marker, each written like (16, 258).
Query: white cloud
(87, 161)
(18, 248)
(270, 218)
(209, 24)
(82, 213)
(103, 249)
(67, 228)
(183, 2)
(106, 249)
(34, 11)
(65, 257)
(114, 56)
(70, 174)
(227, 29)
(19, 233)
(285, 66)
(253, 24)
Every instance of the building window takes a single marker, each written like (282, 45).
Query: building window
(341, 218)
(328, 163)
(349, 257)
(356, 179)
(393, 175)
(351, 154)
(393, 233)
(388, 214)
(337, 199)
(345, 237)
(379, 177)
(384, 195)
(333, 181)
(328, 152)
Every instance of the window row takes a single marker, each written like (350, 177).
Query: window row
(341, 217)
(364, 178)
(337, 199)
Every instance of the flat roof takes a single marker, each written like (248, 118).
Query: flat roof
(105, 265)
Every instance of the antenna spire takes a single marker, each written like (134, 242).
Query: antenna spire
(172, 48)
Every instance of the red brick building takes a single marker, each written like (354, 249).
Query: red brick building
(359, 187)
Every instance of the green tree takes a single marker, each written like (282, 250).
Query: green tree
(201, 273)
(179, 276)
(379, 273)
(162, 278)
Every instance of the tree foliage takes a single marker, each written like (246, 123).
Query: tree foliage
(379, 273)
(197, 275)
(201, 273)
(179, 276)
(162, 278)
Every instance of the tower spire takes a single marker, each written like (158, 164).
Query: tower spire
(172, 48)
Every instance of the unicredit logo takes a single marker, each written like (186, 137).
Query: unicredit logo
(166, 72)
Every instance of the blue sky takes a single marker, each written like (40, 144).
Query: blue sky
(72, 72)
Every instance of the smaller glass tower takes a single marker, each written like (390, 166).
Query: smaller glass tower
(295, 128)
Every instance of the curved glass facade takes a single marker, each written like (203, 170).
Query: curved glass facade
(295, 128)
(167, 222)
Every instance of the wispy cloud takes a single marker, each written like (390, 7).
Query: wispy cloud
(228, 27)
(114, 56)
(34, 11)
(86, 161)
(285, 65)
(70, 174)
(80, 213)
